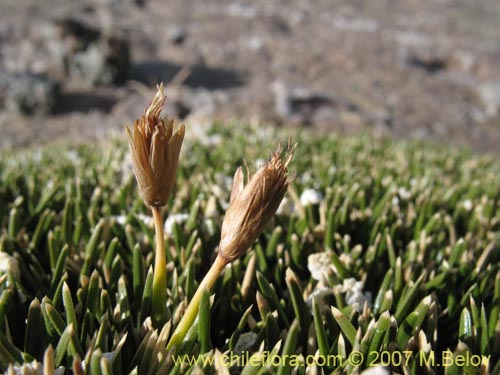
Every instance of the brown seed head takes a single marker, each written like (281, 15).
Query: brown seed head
(155, 150)
(251, 206)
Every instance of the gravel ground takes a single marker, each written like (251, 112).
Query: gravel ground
(409, 69)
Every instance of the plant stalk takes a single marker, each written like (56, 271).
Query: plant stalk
(159, 302)
(193, 307)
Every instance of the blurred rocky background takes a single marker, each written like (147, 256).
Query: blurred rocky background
(80, 70)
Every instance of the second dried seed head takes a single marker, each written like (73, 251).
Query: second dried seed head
(252, 205)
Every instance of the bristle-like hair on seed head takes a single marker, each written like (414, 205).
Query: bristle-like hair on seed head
(252, 206)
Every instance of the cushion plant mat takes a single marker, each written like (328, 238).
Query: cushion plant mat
(385, 249)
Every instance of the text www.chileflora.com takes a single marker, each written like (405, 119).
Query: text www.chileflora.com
(355, 358)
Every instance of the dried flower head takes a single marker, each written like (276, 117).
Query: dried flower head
(251, 206)
(155, 150)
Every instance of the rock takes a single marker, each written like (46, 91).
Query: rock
(429, 61)
(280, 25)
(326, 116)
(27, 93)
(177, 34)
(102, 63)
(241, 11)
(88, 54)
(462, 61)
(76, 34)
(300, 105)
(198, 102)
(139, 3)
(489, 93)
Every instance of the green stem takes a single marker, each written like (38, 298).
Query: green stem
(159, 302)
(192, 309)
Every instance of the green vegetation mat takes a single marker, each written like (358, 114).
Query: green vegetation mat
(409, 231)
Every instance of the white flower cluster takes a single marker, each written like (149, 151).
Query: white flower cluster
(377, 370)
(318, 264)
(286, 207)
(404, 194)
(201, 128)
(468, 205)
(34, 368)
(9, 264)
(353, 291)
(174, 219)
(146, 219)
(310, 197)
